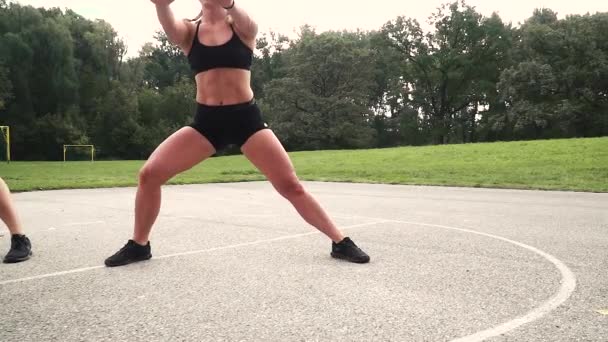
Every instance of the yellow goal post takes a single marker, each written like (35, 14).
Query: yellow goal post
(6, 135)
(65, 149)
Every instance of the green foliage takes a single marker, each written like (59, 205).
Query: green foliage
(114, 132)
(64, 79)
(269, 64)
(559, 86)
(323, 102)
(165, 63)
(6, 86)
(452, 71)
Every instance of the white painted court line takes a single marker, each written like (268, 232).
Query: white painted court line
(281, 238)
(50, 275)
(258, 242)
(568, 284)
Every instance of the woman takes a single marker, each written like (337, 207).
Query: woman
(220, 47)
(21, 248)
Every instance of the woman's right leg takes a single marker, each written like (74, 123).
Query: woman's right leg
(178, 153)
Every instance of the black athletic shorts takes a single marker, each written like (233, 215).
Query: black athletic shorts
(228, 125)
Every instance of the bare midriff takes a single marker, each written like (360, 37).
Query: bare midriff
(221, 87)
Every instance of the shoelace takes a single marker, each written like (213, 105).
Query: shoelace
(124, 249)
(354, 248)
(349, 243)
(19, 242)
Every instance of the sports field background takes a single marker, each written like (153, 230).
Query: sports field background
(571, 164)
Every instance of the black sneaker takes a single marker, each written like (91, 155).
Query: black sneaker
(347, 250)
(130, 253)
(21, 249)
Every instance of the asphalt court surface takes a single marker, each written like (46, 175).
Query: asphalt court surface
(234, 262)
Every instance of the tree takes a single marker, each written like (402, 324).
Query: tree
(447, 70)
(116, 129)
(65, 79)
(396, 121)
(558, 87)
(270, 63)
(166, 63)
(324, 101)
(5, 86)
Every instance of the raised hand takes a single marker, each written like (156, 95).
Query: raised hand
(223, 3)
(162, 2)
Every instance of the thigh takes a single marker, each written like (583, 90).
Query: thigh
(265, 151)
(179, 152)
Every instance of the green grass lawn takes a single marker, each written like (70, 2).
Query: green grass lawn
(574, 164)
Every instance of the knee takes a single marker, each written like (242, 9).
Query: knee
(151, 175)
(290, 188)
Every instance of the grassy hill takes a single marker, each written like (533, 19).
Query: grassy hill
(572, 164)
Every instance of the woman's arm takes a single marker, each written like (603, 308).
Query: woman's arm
(242, 21)
(177, 31)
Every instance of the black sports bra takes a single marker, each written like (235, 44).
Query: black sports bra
(233, 54)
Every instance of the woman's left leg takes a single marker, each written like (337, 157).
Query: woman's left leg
(265, 151)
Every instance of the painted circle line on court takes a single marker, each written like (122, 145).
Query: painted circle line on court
(568, 281)
(568, 284)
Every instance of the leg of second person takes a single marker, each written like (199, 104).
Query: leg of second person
(21, 248)
(8, 214)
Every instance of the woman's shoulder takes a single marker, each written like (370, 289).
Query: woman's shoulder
(190, 32)
(242, 36)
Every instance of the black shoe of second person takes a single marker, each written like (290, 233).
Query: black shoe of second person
(21, 249)
(130, 253)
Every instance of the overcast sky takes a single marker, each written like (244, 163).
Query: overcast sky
(135, 20)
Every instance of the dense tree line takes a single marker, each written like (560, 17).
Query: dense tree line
(65, 79)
